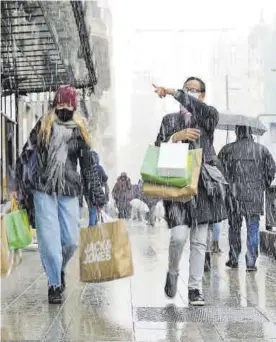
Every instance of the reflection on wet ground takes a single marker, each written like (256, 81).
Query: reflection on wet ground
(240, 306)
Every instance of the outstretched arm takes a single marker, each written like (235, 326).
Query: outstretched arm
(206, 116)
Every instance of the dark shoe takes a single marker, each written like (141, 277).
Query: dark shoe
(196, 298)
(63, 284)
(207, 264)
(232, 264)
(215, 248)
(251, 269)
(171, 285)
(55, 295)
(268, 228)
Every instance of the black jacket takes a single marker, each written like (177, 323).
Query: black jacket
(102, 174)
(202, 209)
(78, 151)
(250, 169)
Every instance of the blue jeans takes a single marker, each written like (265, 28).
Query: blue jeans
(216, 231)
(93, 217)
(252, 223)
(57, 232)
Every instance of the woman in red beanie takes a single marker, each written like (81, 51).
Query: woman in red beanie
(57, 142)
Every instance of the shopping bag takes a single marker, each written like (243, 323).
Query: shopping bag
(214, 182)
(17, 228)
(149, 169)
(183, 194)
(105, 252)
(104, 217)
(6, 254)
(173, 159)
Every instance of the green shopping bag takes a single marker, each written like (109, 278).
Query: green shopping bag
(18, 228)
(149, 170)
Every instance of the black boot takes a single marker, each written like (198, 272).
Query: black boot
(232, 264)
(215, 248)
(63, 284)
(171, 285)
(251, 269)
(207, 264)
(196, 298)
(55, 295)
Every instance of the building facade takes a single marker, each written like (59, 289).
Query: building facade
(56, 50)
(101, 107)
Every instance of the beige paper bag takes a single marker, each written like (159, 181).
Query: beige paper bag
(184, 194)
(6, 254)
(105, 252)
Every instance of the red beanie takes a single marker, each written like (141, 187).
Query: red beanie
(66, 94)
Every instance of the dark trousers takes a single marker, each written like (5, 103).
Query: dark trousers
(124, 210)
(150, 215)
(234, 236)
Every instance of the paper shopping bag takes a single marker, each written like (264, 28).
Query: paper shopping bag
(173, 160)
(149, 170)
(18, 228)
(178, 194)
(6, 254)
(105, 252)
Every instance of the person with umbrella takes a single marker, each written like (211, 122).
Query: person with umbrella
(270, 195)
(250, 169)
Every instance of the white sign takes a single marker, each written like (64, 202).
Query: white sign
(98, 251)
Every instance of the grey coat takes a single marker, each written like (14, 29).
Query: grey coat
(203, 209)
(250, 169)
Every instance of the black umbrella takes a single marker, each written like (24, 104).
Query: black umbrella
(228, 122)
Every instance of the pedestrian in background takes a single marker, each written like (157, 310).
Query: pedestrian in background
(123, 194)
(270, 195)
(250, 169)
(103, 180)
(216, 236)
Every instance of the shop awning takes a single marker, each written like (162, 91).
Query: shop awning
(33, 57)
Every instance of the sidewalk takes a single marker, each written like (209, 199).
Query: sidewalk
(240, 306)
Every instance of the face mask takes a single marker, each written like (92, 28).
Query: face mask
(64, 114)
(195, 95)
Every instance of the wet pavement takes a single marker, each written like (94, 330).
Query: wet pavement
(240, 306)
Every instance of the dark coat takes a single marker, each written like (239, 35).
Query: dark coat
(78, 150)
(250, 169)
(202, 209)
(123, 191)
(102, 174)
